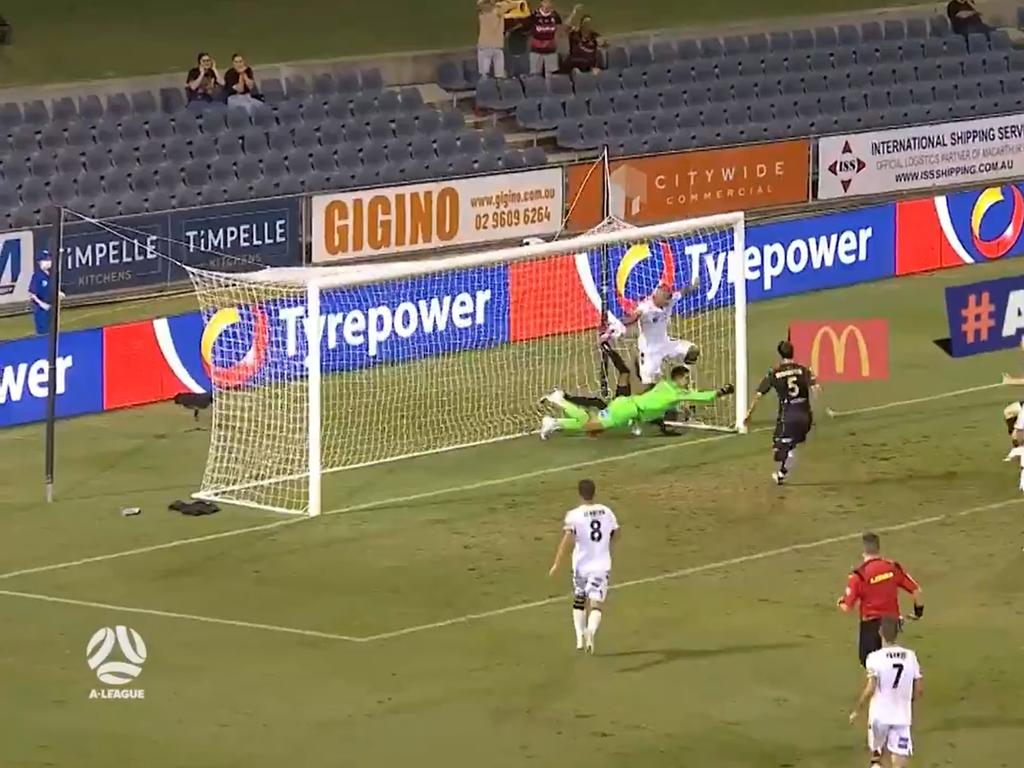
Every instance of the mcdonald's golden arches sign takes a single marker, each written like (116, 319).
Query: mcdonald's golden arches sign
(843, 350)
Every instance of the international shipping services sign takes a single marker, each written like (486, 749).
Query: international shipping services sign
(919, 157)
(985, 316)
(973, 227)
(17, 260)
(455, 212)
(843, 350)
(128, 252)
(660, 188)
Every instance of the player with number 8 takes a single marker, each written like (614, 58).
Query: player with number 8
(592, 528)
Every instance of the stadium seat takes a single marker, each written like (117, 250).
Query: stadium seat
(451, 78)
(229, 146)
(168, 178)
(323, 85)
(295, 87)
(422, 149)
(374, 156)
(487, 95)
(663, 51)
(428, 122)
(176, 151)
(803, 39)
(938, 26)
(151, 154)
(977, 43)
(534, 156)
(204, 149)
(133, 131)
(186, 126)
(159, 127)
(758, 43)
(916, 28)
(797, 64)
(974, 66)
(825, 38)
(10, 115)
(274, 166)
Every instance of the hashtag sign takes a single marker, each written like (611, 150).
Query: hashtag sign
(977, 317)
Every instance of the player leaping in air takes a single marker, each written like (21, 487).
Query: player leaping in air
(622, 412)
(654, 345)
(792, 383)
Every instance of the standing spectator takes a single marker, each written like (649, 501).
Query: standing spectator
(584, 44)
(965, 18)
(205, 67)
(240, 84)
(40, 293)
(544, 25)
(490, 45)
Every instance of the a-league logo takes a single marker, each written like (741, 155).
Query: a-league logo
(120, 669)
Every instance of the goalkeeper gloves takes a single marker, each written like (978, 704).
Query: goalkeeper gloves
(726, 389)
(918, 611)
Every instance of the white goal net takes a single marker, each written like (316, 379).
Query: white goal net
(322, 369)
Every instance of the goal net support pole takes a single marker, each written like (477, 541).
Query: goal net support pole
(321, 369)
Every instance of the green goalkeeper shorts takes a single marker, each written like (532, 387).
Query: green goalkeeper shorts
(619, 414)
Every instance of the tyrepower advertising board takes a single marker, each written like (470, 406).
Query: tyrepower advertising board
(456, 212)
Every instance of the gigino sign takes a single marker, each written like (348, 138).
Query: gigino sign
(843, 350)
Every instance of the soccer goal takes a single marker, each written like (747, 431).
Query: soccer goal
(322, 369)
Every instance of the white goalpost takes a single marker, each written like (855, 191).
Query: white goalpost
(321, 369)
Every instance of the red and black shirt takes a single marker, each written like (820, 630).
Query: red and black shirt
(876, 584)
(543, 28)
(583, 48)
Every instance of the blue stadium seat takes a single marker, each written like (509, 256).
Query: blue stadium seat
(274, 166)
(451, 78)
(69, 162)
(977, 43)
(803, 39)
(820, 61)
(912, 50)
(780, 42)
(151, 154)
(617, 57)
(757, 42)
(687, 49)
(534, 156)
(938, 26)
(640, 56)
(204, 150)
(295, 87)
(663, 51)
(849, 35)
(487, 95)
(447, 145)
(24, 140)
(64, 109)
(428, 122)
(10, 115)
(609, 82)
(999, 40)
(288, 115)
(893, 29)
(974, 66)
(917, 28)
(825, 38)
(143, 182)
(177, 151)
(797, 64)
(229, 146)
(955, 46)
(36, 113)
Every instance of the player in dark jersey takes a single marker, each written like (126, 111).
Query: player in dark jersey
(792, 383)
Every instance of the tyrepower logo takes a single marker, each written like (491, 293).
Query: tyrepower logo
(422, 216)
(843, 350)
(16, 257)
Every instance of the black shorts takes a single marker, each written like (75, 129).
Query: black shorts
(792, 428)
(870, 640)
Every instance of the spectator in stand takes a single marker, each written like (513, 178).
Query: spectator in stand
(544, 25)
(240, 84)
(490, 45)
(584, 44)
(965, 18)
(208, 91)
(194, 80)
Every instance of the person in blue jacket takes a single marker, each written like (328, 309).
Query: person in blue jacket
(40, 292)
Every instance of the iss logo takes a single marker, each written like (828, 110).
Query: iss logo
(116, 655)
(846, 167)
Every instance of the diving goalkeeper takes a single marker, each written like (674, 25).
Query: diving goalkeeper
(622, 411)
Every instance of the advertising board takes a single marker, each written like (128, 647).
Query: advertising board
(660, 188)
(922, 156)
(442, 214)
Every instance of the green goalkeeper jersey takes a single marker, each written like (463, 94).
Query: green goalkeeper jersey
(665, 395)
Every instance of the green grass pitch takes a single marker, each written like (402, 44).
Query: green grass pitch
(417, 626)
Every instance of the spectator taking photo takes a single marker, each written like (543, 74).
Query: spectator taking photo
(197, 83)
(240, 84)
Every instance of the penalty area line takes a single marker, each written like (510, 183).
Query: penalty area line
(692, 571)
(674, 445)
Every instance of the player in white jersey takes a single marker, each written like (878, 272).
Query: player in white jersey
(592, 528)
(894, 683)
(654, 345)
(1013, 415)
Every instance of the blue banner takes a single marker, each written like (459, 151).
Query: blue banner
(24, 376)
(360, 328)
(127, 252)
(986, 316)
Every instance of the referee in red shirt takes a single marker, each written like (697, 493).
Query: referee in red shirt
(876, 584)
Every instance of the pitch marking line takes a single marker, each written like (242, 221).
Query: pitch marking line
(460, 488)
(471, 617)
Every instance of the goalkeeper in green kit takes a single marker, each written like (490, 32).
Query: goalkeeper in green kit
(624, 411)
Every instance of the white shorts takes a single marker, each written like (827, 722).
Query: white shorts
(651, 358)
(894, 739)
(593, 586)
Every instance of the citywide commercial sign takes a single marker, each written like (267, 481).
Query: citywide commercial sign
(843, 350)
(442, 214)
(920, 157)
(660, 188)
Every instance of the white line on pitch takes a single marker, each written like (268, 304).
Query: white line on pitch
(176, 615)
(152, 548)
(927, 399)
(689, 571)
(460, 488)
(681, 573)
